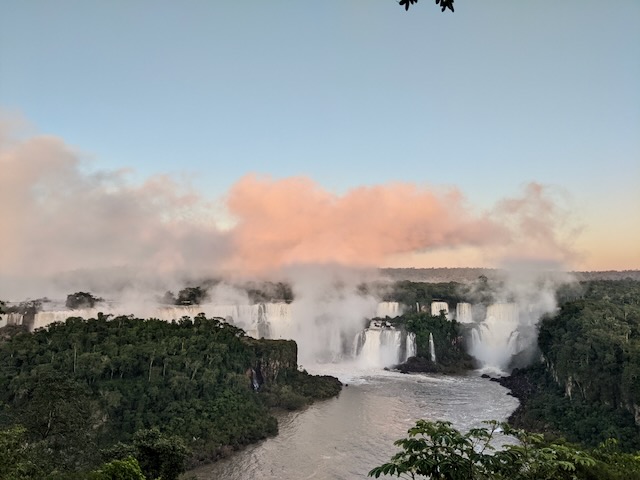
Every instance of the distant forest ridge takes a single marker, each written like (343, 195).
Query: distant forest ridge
(462, 275)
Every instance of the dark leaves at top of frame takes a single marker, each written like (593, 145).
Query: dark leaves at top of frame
(444, 4)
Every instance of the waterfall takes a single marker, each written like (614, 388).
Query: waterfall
(495, 341)
(411, 348)
(280, 320)
(14, 318)
(323, 335)
(432, 348)
(380, 348)
(437, 307)
(42, 319)
(388, 309)
(254, 380)
(463, 313)
(382, 345)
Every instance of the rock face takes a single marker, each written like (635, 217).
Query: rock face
(274, 357)
(418, 365)
(521, 387)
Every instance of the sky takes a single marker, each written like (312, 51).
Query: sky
(251, 135)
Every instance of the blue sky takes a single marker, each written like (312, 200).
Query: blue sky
(348, 93)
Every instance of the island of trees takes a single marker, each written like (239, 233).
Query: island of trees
(581, 394)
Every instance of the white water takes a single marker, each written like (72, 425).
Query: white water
(346, 436)
(388, 309)
(412, 348)
(382, 345)
(436, 307)
(325, 335)
(464, 313)
(12, 319)
(495, 340)
(432, 348)
(331, 335)
(380, 348)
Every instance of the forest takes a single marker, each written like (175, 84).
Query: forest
(587, 387)
(165, 396)
(96, 398)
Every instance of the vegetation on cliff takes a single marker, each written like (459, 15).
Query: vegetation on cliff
(448, 339)
(588, 388)
(79, 389)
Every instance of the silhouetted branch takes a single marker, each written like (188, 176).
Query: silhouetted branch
(444, 4)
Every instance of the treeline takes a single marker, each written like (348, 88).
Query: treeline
(84, 392)
(480, 291)
(588, 388)
(257, 292)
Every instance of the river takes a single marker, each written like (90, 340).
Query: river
(344, 437)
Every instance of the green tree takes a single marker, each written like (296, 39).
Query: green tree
(160, 455)
(81, 300)
(126, 469)
(440, 452)
(15, 455)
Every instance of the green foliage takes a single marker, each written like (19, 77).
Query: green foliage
(81, 386)
(125, 469)
(408, 293)
(57, 412)
(546, 408)
(160, 456)
(15, 455)
(439, 451)
(592, 350)
(447, 338)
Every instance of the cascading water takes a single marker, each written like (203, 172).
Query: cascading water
(254, 380)
(322, 336)
(495, 341)
(464, 313)
(42, 319)
(15, 319)
(382, 345)
(411, 347)
(388, 309)
(437, 307)
(432, 348)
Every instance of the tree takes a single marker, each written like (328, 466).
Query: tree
(191, 296)
(81, 300)
(160, 456)
(126, 469)
(440, 452)
(444, 4)
(15, 463)
(58, 415)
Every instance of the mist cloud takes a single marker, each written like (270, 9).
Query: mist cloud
(57, 217)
